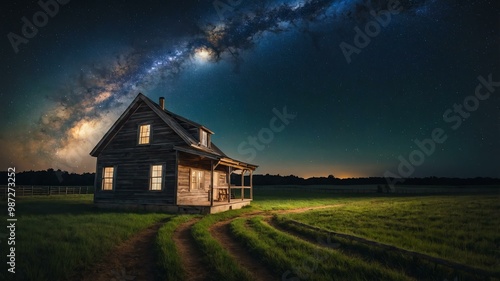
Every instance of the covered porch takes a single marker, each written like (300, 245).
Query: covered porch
(206, 180)
(227, 193)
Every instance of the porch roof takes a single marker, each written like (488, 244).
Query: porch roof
(223, 159)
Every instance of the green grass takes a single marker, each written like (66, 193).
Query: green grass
(415, 268)
(272, 200)
(168, 257)
(218, 259)
(290, 257)
(58, 237)
(458, 228)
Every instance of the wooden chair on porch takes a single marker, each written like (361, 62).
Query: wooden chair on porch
(222, 194)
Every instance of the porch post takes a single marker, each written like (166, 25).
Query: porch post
(211, 182)
(242, 184)
(229, 184)
(251, 185)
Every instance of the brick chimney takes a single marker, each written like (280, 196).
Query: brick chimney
(162, 103)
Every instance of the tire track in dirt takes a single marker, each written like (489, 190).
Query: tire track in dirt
(191, 256)
(221, 232)
(385, 262)
(301, 236)
(134, 259)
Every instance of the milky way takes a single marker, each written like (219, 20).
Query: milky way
(86, 105)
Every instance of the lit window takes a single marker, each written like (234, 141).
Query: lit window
(197, 179)
(203, 138)
(156, 177)
(144, 134)
(107, 178)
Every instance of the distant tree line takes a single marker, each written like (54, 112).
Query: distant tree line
(50, 177)
(63, 178)
(268, 179)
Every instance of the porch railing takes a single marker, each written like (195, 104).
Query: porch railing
(234, 193)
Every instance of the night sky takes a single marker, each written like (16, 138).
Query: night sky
(309, 88)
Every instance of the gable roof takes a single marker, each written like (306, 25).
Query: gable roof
(181, 119)
(172, 120)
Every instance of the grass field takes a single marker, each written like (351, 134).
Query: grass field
(60, 237)
(461, 228)
(291, 257)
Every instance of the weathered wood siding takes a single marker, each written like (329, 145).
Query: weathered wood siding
(185, 196)
(188, 196)
(132, 161)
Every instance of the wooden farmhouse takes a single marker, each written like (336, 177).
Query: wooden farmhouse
(154, 159)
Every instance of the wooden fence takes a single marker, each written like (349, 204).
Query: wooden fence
(40, 190)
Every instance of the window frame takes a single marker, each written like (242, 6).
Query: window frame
(161, 177)
(103, 178)
(139, 135)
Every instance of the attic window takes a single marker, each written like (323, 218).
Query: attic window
(144, 134)
(204, 138)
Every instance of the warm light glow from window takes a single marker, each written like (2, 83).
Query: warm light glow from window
(144, 134)
(107, 178)
(156, 177)
(197, 179)
(203, 138)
